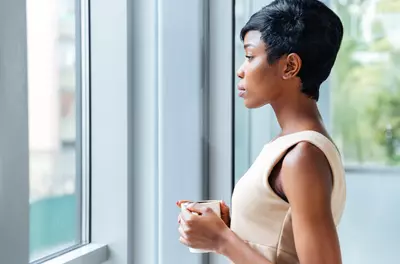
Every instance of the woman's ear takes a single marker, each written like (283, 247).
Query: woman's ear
(292, 66)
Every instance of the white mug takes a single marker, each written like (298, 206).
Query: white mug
(215, 205)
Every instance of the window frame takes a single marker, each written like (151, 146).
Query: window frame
(83, 140)
(14, 150)
(221, 69)
(14, 220)
(127, 136)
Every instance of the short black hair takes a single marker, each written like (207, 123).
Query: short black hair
(305, 27)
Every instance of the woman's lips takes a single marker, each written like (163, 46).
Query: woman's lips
(242, 91)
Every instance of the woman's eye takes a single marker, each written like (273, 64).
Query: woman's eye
(249, 57)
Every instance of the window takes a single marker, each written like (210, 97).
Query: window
(57, 129)
(365, 83)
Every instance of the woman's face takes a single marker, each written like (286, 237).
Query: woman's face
(260, 82)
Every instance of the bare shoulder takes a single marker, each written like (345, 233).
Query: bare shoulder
(305, 168)
(305, 154)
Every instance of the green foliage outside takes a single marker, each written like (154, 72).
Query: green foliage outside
(366, 83)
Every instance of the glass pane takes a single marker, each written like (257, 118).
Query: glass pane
(242, 115)
(366, 83)
(54, 196)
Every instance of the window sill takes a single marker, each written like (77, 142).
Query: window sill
(89, 254)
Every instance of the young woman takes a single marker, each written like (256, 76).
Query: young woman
(286, 207)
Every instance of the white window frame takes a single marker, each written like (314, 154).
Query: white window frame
(14, 152)
(137, 159)
(157, 140)
(14, 145)
(149, 140)
(221, 103)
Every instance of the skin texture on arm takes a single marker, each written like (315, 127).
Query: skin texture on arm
(307, 183)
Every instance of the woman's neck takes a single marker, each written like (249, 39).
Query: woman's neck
(297, 113)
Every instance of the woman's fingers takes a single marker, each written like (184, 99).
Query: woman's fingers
(183, 236)
(182, 229)
(193, 209)
(224, 207)
(180, 202)
(183, 241)
(225, 215)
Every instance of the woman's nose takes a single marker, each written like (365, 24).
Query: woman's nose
(240, 72)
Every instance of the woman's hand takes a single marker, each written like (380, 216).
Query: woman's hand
(203, 230)
(225, 212)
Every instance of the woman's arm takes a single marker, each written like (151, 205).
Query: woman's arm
(307, 183)
(239, 252)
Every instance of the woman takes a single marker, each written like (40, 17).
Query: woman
(285, 209)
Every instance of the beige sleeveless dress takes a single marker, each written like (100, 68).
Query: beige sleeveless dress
(261, 217)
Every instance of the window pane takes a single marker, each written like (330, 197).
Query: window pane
(366, 83)
(54, 197)
(242, 115)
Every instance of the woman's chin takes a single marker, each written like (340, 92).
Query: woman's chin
(251, 104)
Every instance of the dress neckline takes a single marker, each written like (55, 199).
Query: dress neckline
(297, 133)
(318, 134)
